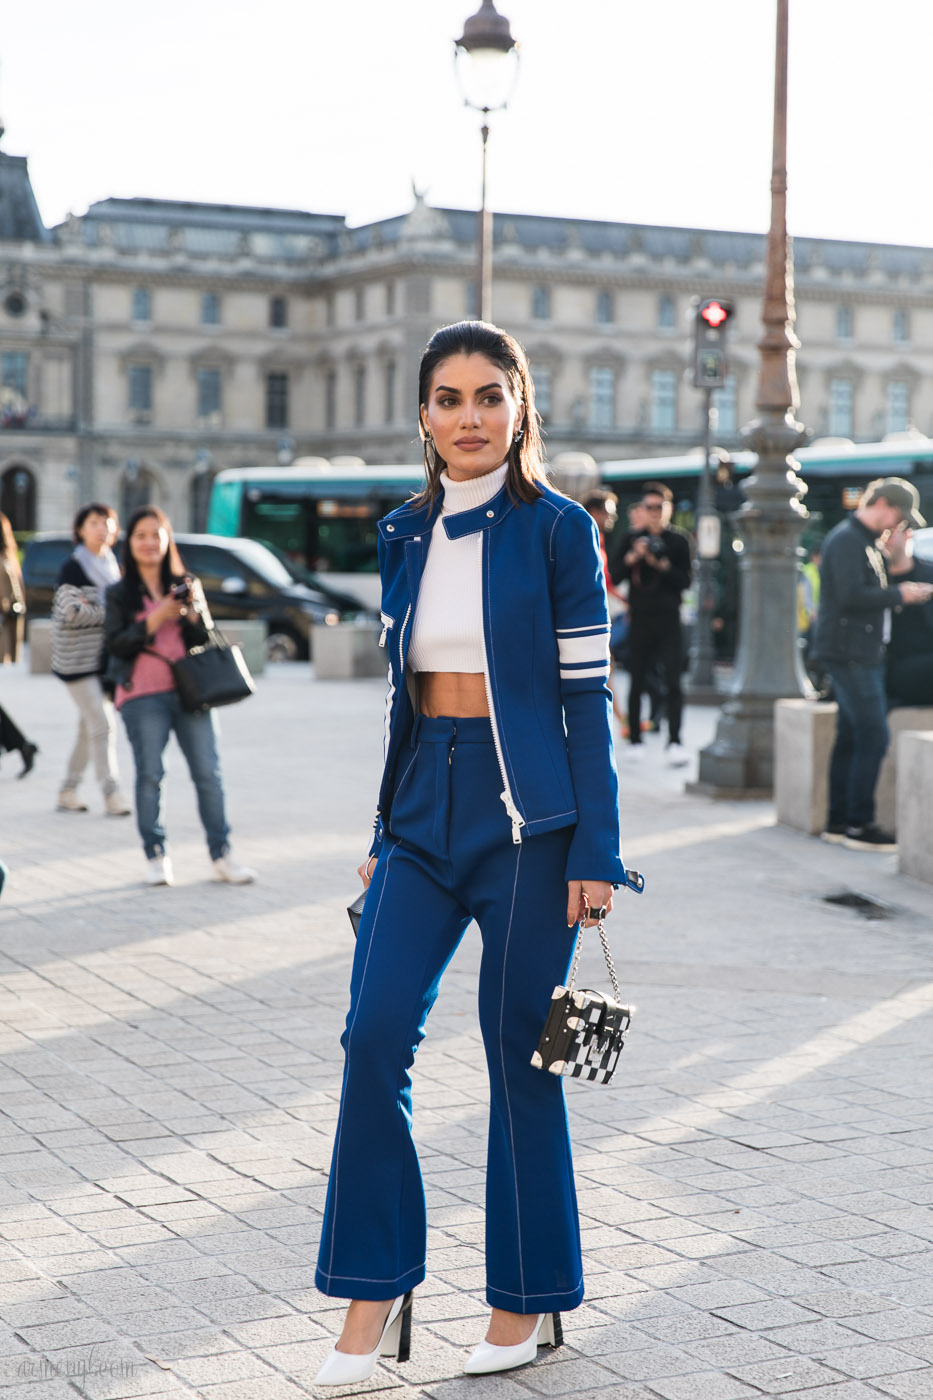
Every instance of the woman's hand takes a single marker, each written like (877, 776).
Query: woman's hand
(169, 610)
(365, 871)
(583, 894)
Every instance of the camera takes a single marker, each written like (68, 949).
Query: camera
(655, 544)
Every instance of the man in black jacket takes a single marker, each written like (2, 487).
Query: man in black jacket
(656, 562)
(908, 669)
(852, 628)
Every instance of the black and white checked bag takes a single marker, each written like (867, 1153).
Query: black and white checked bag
(584, 1032)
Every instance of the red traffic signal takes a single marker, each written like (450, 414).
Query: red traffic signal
(714, 313)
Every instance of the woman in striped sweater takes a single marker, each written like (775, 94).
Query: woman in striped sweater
(78, 656)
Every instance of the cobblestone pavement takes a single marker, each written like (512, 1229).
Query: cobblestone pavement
(755, 1188)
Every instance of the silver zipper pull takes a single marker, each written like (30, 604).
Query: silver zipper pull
(385, 633)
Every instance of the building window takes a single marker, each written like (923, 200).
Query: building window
(330, 399)
(15, 372)
(140, 385)
(277, 400)
(359, 303)
(544, 382)
(142, 304)
(541, 303)
(359, 396)
(898, 406)
(667, 312)
(278, 313)
(843, 323)
(210, 309)
(664, 400)
(724, 403)
(390, 298)
(330, 310)
(605, 308)
(900, 325)
(389, 387)
(602, 396)
(469, 301)
(208, 393)
(840, 408)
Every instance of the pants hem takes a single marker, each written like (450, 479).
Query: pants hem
(534, 1302)
(373, 1290)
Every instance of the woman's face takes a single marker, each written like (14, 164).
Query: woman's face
(96, 531)
(471, 415)
(149, 542)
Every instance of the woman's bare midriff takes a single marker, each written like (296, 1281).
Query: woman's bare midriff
(460, 694)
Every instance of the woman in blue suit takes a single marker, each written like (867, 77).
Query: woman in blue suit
(498, 803)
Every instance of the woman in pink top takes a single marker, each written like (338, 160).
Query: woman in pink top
(155, 615)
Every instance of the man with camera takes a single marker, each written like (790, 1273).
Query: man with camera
(655, 560)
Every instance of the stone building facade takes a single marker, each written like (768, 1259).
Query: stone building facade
(147, 344)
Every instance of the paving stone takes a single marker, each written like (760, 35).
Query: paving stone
(865, 1362)
(702, 1385)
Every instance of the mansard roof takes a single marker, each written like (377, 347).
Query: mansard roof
(159, 224)
(531, 232)
(20, 220)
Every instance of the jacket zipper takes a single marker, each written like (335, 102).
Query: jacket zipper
(401, 641)
(387, 622)
(515, 816)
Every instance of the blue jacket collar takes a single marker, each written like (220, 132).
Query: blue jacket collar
(408, 521)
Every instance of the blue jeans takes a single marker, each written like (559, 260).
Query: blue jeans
(149, 721)
(861, 743)
(448, 857)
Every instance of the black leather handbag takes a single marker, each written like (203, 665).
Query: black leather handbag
(212, 675)
(584, 1033)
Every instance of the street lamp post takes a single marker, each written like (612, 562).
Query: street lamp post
(486, 57)
(768, 667)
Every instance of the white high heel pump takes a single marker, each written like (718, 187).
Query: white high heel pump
(547, 1332)
(347, 1368)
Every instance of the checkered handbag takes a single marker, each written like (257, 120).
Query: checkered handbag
(584, 1033)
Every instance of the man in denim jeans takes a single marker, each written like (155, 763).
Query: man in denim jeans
(852, 628)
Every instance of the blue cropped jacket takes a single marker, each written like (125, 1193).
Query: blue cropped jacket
(546, 635)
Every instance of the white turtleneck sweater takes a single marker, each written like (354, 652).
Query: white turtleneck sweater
(447, 633)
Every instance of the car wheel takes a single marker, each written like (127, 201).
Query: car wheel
(282, 645)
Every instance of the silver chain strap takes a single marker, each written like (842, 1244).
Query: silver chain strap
(600, 929)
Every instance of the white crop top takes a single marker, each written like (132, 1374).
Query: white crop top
(447, 633)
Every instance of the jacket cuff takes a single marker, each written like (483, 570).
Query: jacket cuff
(378, 836)
(594, 860)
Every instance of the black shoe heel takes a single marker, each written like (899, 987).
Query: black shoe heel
(404, 1336)
(558, 1331)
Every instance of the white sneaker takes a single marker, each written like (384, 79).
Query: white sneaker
(231, 871)
(634, 753)
(116, 804)
(159, 871)
(677, 756)
(69, 801)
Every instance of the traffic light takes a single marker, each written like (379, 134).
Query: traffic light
(712, 318)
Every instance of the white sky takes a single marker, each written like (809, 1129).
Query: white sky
(655, 111)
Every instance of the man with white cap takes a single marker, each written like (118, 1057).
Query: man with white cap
(852, 628)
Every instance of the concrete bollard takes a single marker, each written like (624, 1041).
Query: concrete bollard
(347, 651)
(40, 645)
(908, 717)
(804, 732)
(915, 805)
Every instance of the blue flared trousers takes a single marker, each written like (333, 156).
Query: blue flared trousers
(449, 859)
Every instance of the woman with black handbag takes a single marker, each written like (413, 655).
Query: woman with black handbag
(156, 615)
(499, 802)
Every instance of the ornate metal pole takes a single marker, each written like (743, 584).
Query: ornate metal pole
(484, 269)
(739, 761)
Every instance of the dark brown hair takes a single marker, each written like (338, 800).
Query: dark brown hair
(657, 488)
(172, 567)
(526, 472)
(92, 508)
